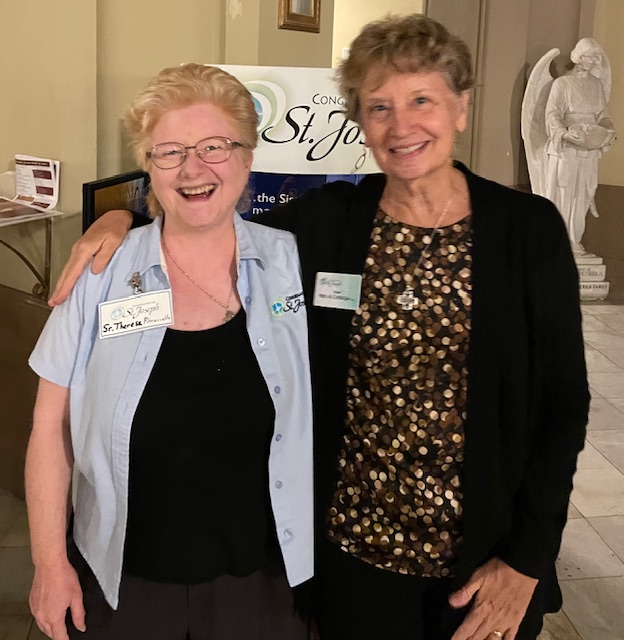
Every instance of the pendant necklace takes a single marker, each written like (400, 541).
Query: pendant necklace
(407, 300)
(229, 314)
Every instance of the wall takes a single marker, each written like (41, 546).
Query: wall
(135, 40)
(351, 15)
(47, 108)
(242, 31)
(285, 47)
(609, 19)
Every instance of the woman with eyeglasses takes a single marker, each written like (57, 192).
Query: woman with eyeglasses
(176, 397)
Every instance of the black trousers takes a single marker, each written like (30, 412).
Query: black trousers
(255, 607)
(357, 601)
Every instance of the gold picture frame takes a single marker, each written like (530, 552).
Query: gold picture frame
(300, 15)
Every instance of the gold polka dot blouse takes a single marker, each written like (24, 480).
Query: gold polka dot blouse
(398, 501)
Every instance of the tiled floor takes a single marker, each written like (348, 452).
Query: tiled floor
(591, 562)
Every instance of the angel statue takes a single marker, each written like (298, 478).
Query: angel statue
(566, 127)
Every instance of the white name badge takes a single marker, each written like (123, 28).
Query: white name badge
(136, 313)
(337, 290)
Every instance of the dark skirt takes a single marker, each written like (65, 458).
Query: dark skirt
(357, 600)
(255, 607)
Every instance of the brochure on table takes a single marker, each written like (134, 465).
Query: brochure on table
(36, 188)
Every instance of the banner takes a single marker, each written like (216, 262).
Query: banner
(304, 138)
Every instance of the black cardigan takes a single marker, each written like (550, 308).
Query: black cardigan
(528, 398)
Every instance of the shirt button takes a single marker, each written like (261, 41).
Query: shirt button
(248, 299)
(261, 342)
(277, 389)
(278, 437)
(288, 533)
(278, 484)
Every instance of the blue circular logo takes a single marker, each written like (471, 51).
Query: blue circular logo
(278, 308)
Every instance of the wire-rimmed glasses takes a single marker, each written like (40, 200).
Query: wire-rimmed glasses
(213, 150)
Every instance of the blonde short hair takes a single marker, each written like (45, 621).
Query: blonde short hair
(404, 44)
(183, 86)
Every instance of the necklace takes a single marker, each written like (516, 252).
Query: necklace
(407, 299)
(229, 314)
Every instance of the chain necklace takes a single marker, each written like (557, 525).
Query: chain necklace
(229, 314)
(407, 299)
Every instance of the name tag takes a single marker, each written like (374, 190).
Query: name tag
(136, 313)
(337, 290)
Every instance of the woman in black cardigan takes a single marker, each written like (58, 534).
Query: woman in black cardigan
(444, 309)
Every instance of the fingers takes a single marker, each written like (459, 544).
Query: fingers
(77, 263)
(77, 610)
(101, 240)
(59, 630)
(474, 627)
(55, 630)
(103, 256)
(460, 599)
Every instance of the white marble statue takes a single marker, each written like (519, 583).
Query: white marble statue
(566, 127)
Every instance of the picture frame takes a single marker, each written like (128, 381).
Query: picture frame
(122, 191)
(300, 15)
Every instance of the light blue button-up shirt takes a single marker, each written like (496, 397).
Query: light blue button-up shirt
(106, 378)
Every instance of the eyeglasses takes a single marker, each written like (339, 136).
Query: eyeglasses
(169, 155)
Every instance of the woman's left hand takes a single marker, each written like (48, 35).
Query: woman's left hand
(502, 597)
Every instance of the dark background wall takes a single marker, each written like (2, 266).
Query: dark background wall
(21, 322)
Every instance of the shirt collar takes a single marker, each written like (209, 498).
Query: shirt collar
(150, 254)
(246, 246)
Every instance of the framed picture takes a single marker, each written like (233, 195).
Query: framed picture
(300, 15)
(122, 191)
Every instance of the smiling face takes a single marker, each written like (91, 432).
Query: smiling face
(410, 121)
(197, 195)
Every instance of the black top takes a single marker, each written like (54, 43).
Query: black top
(527, 399)
(198, 493)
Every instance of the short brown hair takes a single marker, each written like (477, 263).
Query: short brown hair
(183, 86)
(406, 44)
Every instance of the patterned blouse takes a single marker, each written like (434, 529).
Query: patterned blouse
(398, 502)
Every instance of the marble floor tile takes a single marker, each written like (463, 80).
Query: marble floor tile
(591, 458)
(618, 403)
(594, 323)
(595, 608)
(599, 363)
(616, 356)
(611, 530)
(608, 385)
(573, 512)
(603, 340)
(574, 562)
(610, 444)
(15, 579)
(14, 627)
(599, 309)
(612, 320)
(603, 414)
(599, 492)
(557, 626)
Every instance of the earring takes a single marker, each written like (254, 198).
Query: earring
(359, 163)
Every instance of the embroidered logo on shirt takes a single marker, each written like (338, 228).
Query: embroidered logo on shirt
(293, 302)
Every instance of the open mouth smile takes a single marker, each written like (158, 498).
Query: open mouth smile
(403, 151)
(193, 193)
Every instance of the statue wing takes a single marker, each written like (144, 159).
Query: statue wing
(533, 120)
